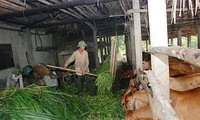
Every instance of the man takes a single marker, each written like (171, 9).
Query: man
(15, 79)
(80, 56)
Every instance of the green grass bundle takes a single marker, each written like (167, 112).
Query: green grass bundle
(104, 107)
(104, 78)
(39, 103)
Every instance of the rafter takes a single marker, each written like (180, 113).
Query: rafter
(49, 8)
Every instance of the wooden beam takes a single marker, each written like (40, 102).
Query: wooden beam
(82, 20)
(190, 55)
(50, 8)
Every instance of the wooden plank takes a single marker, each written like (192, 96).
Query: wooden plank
(164, 108)
(190, 55)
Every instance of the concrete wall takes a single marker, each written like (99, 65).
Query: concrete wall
(45, 57)
(20, 42)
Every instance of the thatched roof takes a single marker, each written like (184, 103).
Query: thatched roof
(106, 15)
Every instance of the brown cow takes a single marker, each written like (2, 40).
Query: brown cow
(186, 104)
(136, 100)
(131, 88)
(124, 95)
(186, 82)
(180, 67)
(139, 114)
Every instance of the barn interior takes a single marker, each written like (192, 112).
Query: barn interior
(46, 32)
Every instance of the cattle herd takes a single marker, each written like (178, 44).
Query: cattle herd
(184, 93)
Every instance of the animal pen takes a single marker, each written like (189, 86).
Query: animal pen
(33, 32)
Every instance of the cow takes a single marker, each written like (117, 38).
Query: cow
(124, 95)
(136, 100)
(179, 67)
(139, 114)
(128, 101)
(186, 82)
(185, 103)
(131, 88)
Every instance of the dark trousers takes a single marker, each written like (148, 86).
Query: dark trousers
(89, 84)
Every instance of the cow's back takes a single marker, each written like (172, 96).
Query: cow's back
(186, 104)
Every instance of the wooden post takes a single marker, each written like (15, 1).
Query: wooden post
(113, 57)
(172, 42)
(179, 38)
(127, 43)
(101, 47)
(96, 47)
(188, 41)
(137, 35)
(158, 30)
(95, 42)
(30, 47)
(109, 45)
(147, 45)
(198, 28)
(132, 45)
(106, 44)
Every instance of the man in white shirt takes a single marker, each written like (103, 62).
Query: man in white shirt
(80, 56)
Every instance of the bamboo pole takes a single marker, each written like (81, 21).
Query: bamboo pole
(70, 70)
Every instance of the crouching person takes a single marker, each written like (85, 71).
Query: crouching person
(15, 79)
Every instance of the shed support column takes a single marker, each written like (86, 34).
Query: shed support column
(101, 47)
(147, 45)
(198, 43)
(179, 38)
(105, 48)
(158, 30)
(189, 41)
(172, 44)
(95, 47)
(137, 35)
(127, 43)
(109, 45)
(160, 68)
(30, 47)
(132, 45)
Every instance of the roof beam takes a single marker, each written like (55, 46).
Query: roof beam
(50, 8)
(64, 22)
